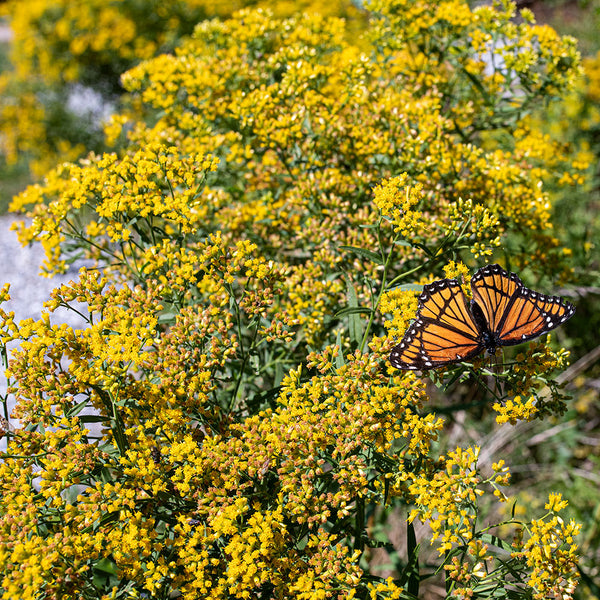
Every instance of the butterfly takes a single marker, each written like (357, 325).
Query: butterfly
(503, 312)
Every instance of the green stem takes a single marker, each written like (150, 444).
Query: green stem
(383, 287)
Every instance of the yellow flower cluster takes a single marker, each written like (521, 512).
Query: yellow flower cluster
(459, 271)
(402, 306)
(58, 42)
(224, 425)
(515, 409)
(475, 224)
(552, 553)
(396, 200)
(447, 497)
(291, 131)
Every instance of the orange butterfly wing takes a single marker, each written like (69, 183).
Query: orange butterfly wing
(443, 333)
(503, 313)
(514, 313)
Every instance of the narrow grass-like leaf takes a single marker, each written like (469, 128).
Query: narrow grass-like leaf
(352, 310)
(368, 254)
(355, 325)
(339, 359)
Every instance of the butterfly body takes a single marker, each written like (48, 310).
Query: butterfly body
(487, 338)
(503, 312)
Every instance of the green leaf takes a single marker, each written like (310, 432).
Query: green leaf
(495, 542)
(94, 418)
(368, 254)
(409, 287)
(106, 566)
(105, 574)
(167, 317)
(425, 249)
(77, 408)
(355, 325)
(410, 576)
(349, 310)
(264, 398)
(339, 359)
(279, 373)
